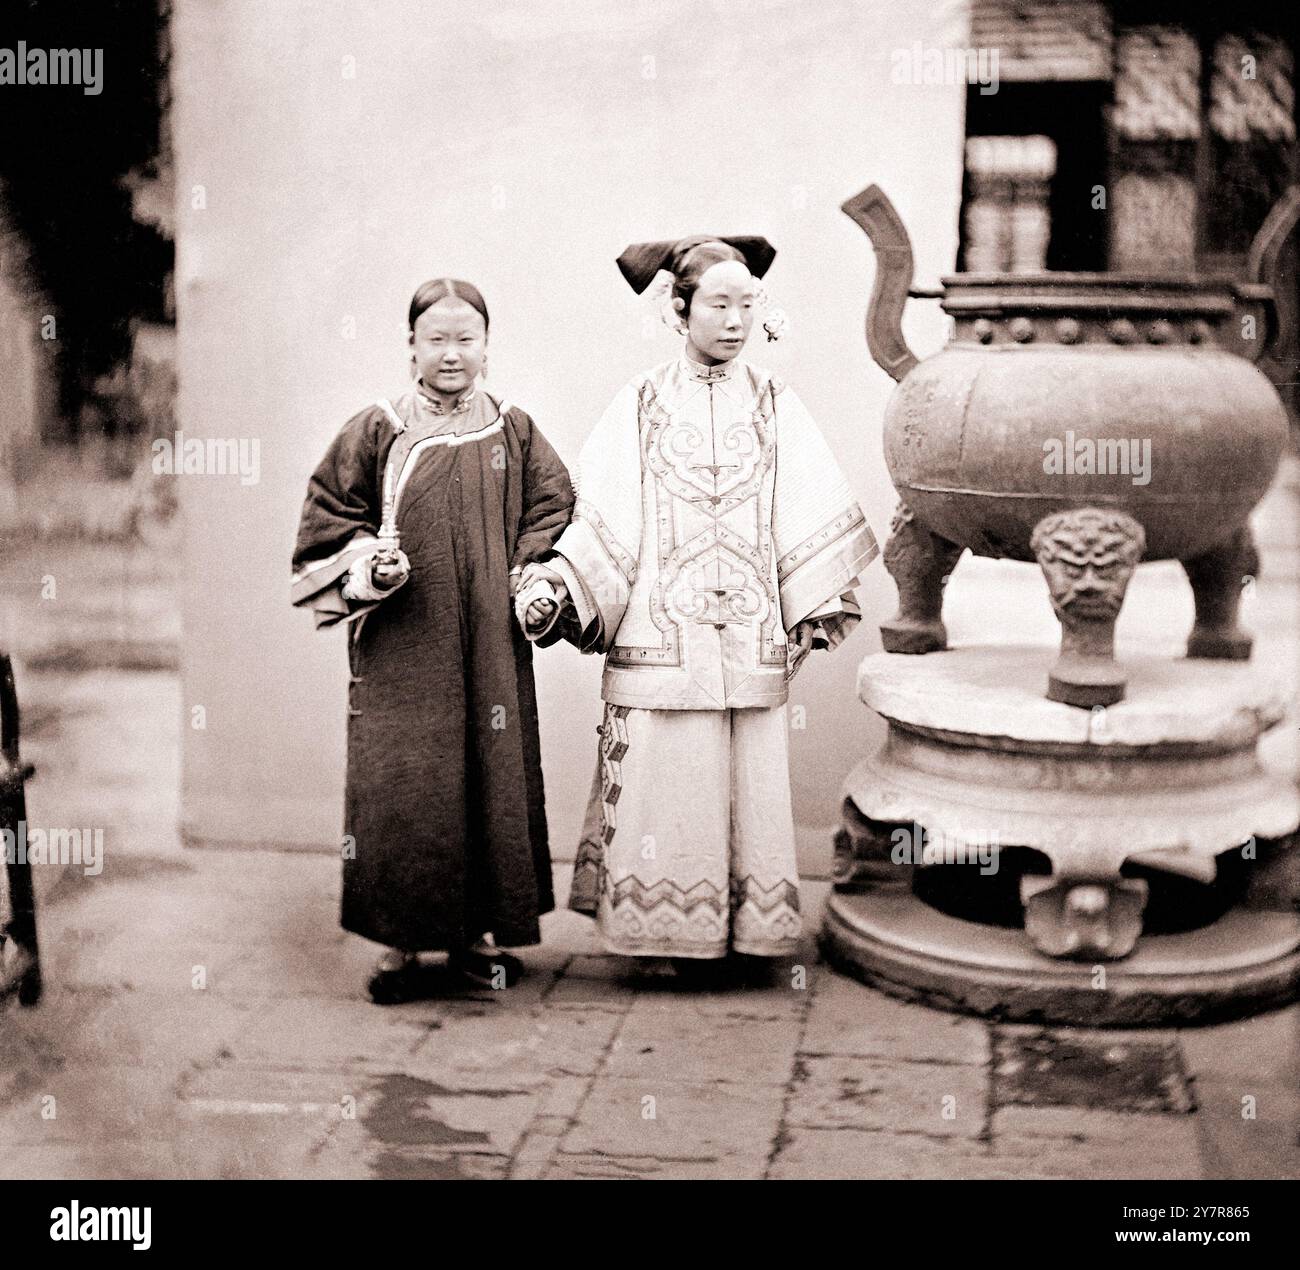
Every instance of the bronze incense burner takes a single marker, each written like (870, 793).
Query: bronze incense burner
(1085, 421)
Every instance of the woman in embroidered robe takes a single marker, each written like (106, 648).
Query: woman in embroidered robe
(713, 544)
(445, 820)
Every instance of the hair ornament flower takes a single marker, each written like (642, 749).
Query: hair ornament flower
(775, 322)
(660, 294)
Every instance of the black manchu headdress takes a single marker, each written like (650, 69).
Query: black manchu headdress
(641, 261)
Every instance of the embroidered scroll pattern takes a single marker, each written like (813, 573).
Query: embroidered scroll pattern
(714, 572)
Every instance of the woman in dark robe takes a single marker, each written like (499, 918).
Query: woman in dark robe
(417, 524)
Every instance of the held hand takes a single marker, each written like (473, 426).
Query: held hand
(800, 646)
(538, 615)
(387, 574)
(535, 570)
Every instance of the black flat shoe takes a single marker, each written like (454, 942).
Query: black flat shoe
(702, 972)
(487, 970)
(391, 984)
(751, 971)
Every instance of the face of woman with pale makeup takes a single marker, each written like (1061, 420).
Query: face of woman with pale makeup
(721, 313)
(449, 343)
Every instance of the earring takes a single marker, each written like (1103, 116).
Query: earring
(673, 308)
(483, 368)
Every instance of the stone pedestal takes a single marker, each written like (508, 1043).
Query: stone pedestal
(1019, 857)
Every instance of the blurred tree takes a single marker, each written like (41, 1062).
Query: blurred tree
(65, 157)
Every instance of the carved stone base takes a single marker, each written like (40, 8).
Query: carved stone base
(1169, 777)
(1049, 810)
(1242, 964)
(864, 852)
(1085, 920)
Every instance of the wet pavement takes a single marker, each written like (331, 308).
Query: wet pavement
(205, 1017)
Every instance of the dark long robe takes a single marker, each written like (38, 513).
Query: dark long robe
(444, 803)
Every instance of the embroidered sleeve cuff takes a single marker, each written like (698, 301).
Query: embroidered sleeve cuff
(589, 621)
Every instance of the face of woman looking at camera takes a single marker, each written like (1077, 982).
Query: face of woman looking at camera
(720, 313)
(449, 341)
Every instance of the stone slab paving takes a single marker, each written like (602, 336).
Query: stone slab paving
(207, 1019)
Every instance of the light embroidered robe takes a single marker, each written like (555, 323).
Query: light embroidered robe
(711, 519)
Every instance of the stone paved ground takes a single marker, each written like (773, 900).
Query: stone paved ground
(204, 1018)
(204, 1014)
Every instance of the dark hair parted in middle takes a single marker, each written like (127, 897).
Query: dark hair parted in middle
(427, 294)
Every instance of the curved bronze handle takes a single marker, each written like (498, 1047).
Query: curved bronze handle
(872, 212)
(1263, 264)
